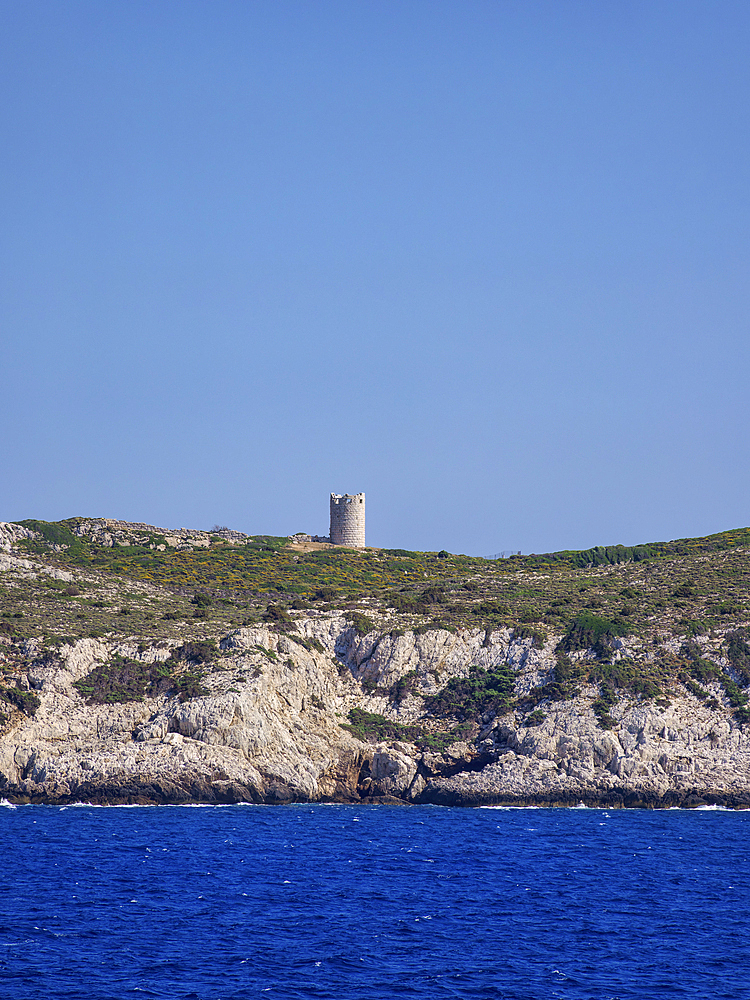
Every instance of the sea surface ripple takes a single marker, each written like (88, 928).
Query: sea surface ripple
(314, 901)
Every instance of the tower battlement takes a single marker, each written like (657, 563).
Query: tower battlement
(348, 519)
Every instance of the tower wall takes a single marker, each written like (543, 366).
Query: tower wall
(348, 519)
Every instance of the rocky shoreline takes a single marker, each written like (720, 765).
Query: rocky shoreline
(270, 729)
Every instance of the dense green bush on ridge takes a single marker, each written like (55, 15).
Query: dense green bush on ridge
(602, 555)
(53, 533)
(612, 555)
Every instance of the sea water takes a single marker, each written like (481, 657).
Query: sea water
(373, 902)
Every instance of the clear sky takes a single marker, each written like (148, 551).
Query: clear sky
(486, 261)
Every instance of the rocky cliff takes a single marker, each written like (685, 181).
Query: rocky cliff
(270, 726)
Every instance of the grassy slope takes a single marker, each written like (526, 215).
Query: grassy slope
(685, 588)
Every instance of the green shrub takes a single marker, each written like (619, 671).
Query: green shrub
(310, 644)
(53, 533)
(630, 593)
(434, 626)
(727, 608)
(119, 680)
(369, 727)
(189, 686)
(692, 627)
(361, 624)
(537, 635)
(199, 652)
(26, 701)
(491, 609)
(563, 687)
(482, 691)
(590, 631)
(701, 669)
(607, 698)
(736, 696)
(406, 604)
(276, 615)
(269, 654)
(122, 679)
(641, 679)
(403, 686)
(325, 594)
(566, 669)
(693, 688)
(738, 654)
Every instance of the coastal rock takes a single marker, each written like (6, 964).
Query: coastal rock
(392, 771)
(270, 729)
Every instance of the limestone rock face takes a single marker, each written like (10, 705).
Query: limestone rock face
(392, 770)
(435, 657)
(108, 532)
(269, 736)
(10, 536)
(672, 756)
(270, 730)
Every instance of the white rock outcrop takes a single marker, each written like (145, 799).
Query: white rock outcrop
(270, 730)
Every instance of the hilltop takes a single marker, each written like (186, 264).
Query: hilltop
(693, 585)
(625, 669)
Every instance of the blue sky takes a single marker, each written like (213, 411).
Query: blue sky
(486, 261)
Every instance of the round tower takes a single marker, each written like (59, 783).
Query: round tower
(348, 520)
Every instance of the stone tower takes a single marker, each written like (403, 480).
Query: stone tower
(348, 520)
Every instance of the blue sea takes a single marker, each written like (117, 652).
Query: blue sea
(373, 902)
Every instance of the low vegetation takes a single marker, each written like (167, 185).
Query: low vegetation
(482, 691)
(369, 727)
(675, 592)
(688, 586)
(122, 679)
(15, 697)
